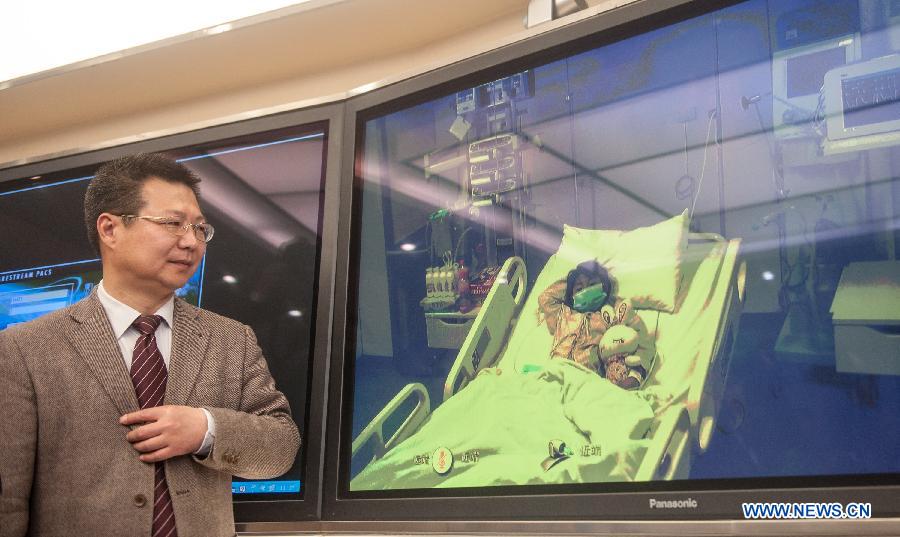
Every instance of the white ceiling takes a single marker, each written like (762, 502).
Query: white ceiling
(297, 45)
(90, 29)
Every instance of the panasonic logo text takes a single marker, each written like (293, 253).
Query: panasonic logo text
(688, 503)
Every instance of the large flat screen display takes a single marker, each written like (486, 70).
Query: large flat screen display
(263, 193)
(602, 272)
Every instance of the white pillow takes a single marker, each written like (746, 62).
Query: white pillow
(645, 263)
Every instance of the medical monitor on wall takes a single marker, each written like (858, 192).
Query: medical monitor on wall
(863, 98)
(808, 40)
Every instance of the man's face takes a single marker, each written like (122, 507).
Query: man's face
(147, 256)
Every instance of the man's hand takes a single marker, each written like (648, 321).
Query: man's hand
(166, 431)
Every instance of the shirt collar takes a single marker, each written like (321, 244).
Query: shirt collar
(121, 315)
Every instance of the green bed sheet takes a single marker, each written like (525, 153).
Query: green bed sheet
(499, 429)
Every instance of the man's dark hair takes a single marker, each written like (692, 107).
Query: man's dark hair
(593, 270)
(116, 187)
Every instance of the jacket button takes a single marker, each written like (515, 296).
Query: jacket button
(140, 500)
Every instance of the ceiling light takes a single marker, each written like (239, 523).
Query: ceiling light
(106, 28)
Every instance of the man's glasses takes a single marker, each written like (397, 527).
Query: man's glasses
(204, 232)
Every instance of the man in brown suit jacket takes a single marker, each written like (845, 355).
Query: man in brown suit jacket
(79, 453)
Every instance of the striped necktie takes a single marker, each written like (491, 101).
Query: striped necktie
(148, 374)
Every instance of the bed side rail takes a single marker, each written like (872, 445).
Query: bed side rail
(698, 238)
(374, 432)
(669, 454)
(708, 384)
(485, 341)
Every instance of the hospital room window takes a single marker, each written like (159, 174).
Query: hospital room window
(569, 264)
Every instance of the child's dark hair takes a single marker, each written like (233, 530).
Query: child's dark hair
(593, 270)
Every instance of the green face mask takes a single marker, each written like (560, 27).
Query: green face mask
(589, 299)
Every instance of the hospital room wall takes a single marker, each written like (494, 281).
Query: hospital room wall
(611, 125)
(645, 117)
(374, 328)
(841, 189)
(638, 144)
(743, 169)
(594, 113)
(632, 117)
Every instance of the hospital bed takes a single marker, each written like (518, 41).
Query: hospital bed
(684, 385)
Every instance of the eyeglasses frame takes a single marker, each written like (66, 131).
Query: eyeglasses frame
(180, 231)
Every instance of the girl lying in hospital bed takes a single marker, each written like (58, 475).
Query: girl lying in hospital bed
(594, 329)
(512, 399)
(508, 418)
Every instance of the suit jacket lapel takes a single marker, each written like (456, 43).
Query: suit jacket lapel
(93, 338)
(189, 341)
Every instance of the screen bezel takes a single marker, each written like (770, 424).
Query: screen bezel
(717, 501)
(270, 508)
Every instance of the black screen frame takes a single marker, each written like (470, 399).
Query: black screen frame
(269, 509)
(719, 500)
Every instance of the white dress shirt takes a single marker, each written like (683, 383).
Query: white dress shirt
(121, 316)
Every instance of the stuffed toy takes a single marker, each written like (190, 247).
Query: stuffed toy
(626, 348)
